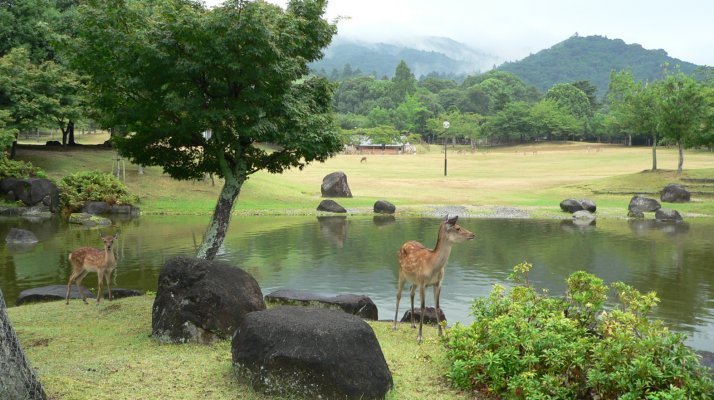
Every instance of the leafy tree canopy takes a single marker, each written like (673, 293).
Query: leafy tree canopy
(570, 98)
(172, 70)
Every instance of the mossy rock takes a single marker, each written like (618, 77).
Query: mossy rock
(88, 220)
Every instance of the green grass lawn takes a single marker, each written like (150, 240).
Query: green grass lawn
(537, 176)
(105, 352)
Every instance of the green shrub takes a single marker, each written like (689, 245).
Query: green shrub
(526, 344)
(81, 187)
(19, 169)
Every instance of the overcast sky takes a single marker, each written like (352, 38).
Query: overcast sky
(513, 29)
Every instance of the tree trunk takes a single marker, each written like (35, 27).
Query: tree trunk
(629, 140)
(217, 228)
(13, 149)
(681, 157)
(70, 130)
(17, 379)
(64, 135)
(654, 152)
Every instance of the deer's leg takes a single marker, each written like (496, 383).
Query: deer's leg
(72, 277)
(108, 278)
(411, 296)
(400, 286)
(78, 282)
(422, 289)
(437, 293)
(100, 278)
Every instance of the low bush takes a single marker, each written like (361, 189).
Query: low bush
(81, 187)
(19, 169)
(527, 344)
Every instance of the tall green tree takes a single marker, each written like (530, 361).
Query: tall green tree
(28, 24)
(7, 134)
(590, 91)
(173, 70)
(467, 126)
(513, 122)
(404, 82)
(574, 101)
(682, 110)
(382, 134)
(411, 115)
(550, 119)
(634, 105)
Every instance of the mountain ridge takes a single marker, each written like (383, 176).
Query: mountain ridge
(590, 58)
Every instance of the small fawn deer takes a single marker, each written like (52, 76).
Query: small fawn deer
(425, 267)
(363, 160)
(87, 259)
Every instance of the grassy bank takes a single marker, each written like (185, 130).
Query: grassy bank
(534, 177)
(105, 352)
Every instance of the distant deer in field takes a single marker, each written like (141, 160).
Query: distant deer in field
(363, 160)
(87, 259)
(425, 267)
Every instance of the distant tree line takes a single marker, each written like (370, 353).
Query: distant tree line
(499, 108)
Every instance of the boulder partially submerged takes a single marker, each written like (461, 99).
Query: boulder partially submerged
(359, 305)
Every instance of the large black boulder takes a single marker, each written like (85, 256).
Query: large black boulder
(674, 193)
(359, 305)
(33, 191)
(102, 207)
(642, 204)
(310, 352)
(573, 205)
(96, 207)
(570, 205)
(202, 301)
(668, 215)
(429, 315)
(58, 292)
(330, 206)
(7, 184)
(384, 207)
(335, 185)
(588, 205)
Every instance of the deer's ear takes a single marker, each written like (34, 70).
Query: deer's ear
(116, 235)
(452, 221)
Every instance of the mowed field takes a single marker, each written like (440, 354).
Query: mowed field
(535, 176)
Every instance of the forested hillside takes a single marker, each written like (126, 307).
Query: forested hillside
(442, 56)
(591, 58)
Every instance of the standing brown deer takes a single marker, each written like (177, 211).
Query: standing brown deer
(87, 259)
(425, 267)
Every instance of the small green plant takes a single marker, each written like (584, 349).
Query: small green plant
(527, 345)
(19, 169)
(81, 187)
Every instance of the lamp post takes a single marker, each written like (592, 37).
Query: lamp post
(446, 126)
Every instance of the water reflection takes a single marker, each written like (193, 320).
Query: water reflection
(646, 226)
(383, 220)
(334, 229)
(339, 254)
(577, 225)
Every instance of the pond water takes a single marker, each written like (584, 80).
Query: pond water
(357, 254)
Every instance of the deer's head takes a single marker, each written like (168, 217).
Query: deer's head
(454, 232)
(108, 240)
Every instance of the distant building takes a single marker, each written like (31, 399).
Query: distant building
(366, 146)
